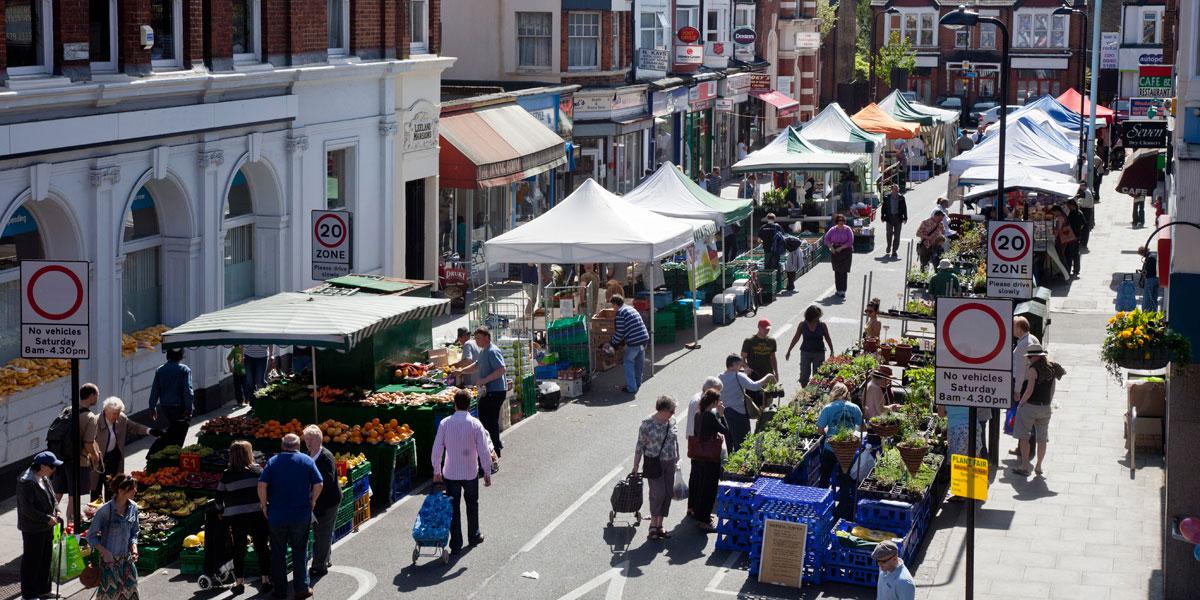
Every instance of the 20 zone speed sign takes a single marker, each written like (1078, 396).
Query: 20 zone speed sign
(331, 244)
(1010, 259)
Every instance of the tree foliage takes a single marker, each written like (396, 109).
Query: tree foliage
(827, 17)
(898, 53)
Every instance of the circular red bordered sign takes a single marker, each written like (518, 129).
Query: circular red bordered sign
(1020, 232)
(955, 352)
(688, 35)
(340, 223)
(29, 295)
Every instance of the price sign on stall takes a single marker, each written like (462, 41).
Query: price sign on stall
(1010, 259)
(974, 352)
(54, 309)
(331, 244)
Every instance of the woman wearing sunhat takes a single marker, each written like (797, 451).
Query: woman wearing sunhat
(1034, 409)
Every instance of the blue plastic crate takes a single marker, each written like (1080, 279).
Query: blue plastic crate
(401, 483)
(795, 494)
(735, 526)
(888, 515)
(733, 541)
(855, 557)
(852, 575)
(362, 487)
(794, 512)
(343, 531)
(733, 510)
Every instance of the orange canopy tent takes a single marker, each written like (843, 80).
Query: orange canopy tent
(1072, 99)
(873, 119)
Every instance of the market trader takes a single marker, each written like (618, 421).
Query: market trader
(460, 452)
(630, 330)
(895, 582)
(171, 397)
(758, 353)
(768, 232)
(489, 371)
(944, 282)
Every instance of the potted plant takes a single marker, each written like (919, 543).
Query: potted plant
(844, 443)
(870, 344)
(886, 350)
(913, 450)
(904, 351)
(886, 425)
(918, 278)
(1142, 340)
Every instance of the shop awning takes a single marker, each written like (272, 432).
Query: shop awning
(584, 129)
(495, 145)
(1140, 176)
(872, 119)
(783, 105)
(333, 322)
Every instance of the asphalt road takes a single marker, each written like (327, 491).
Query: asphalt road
(547, 510)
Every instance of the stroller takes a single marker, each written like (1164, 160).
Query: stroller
(218, 550)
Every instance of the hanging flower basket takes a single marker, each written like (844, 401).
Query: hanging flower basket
(885, 352)
(1144, 361)
(885, 430)
(1142, 341)
(903, 354)
(912, 456)
(844, 452)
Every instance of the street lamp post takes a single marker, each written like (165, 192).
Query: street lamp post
(888, 10)
(1066, 10)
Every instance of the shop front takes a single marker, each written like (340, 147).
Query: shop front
(667, 107)
(699, 128)
(771, 100)
(733, 124)
(613, 130)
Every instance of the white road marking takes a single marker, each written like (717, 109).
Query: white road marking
(782, 329)
(537, 539)
(616, 584)
(365, 579)
(715, 582)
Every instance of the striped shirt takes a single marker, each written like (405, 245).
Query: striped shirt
(256, 351)
(464, 443)
(630, 328)
(238, 491)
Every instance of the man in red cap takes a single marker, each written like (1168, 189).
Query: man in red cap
(758, 352)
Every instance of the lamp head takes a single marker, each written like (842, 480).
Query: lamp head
(1064, 10)
(891, 10)
(959, 18)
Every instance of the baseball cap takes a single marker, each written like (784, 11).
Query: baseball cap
(764, 323)
(47, 459)
(884, 551)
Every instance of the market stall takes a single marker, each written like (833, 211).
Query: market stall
(1028, 144)
(833, 129)
(1077, 103)
(873, 119)
(939, 127)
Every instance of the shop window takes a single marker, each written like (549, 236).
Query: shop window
(141, 222)
(583, 40)
(28, 36)
(102, 35)
(1040, 30)
(534, 39)
(141, 290)
(239, 263)
(166, 17)
(246, 17)
(339, 169)
(653, 30)
(19, 241)
(239, 203)
(337, 24)
(418, 26)
(533, 196)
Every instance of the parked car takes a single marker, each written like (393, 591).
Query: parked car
(952, 103)
(992, 115)
(972, 117)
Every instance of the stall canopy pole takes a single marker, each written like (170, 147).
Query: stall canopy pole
(650, 285)
(313, 354)
(725, 255)
(692, 303)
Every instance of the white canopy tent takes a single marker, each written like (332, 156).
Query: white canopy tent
(938, 125)
(1027, 143)
(833, 129)
(664, 193)
(789, 151)
(987, 174)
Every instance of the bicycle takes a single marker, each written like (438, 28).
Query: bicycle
(755, 291)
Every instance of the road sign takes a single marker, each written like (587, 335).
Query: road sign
(968, 477)
(974, 352)
(332, 244)
(54, 309)
(1010, 259)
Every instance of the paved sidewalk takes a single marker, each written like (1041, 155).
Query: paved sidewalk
(1087, 529)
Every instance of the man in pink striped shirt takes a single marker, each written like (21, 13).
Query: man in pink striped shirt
(460, 448)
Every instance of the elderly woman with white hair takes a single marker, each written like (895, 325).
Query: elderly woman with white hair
(326, 507)
(112, 431)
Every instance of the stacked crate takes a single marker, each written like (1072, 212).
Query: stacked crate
(735, 513)
(569, 338)
(603, 325)
(795, 504)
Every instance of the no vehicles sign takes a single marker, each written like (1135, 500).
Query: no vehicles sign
(331, 244)
(974, 352)
(1010, 259)
(54, 309)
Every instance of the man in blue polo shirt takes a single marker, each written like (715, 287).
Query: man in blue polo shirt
(489, 371)
(288, 490)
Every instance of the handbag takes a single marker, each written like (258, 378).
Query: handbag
(90, 577)
(753, 410)
(652, 467)
(706, 447)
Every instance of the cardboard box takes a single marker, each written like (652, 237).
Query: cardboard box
(1149, 397)
(439, 357)
(570, 388)
(1148, 436)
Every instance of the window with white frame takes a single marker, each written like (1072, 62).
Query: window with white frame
(166, 18)
(339, 169)
(534, 39)
(687, 16)
(1151, 30)
(418, 26)
(743, 16)
(583, 40)
(653, 28)
(29, 36)
(714, 21)
(239, 241)
(337, 26)
(1040, 30)
(918, 28)
(141, 277)
(102, 35)
(246, 17)
(987, 36)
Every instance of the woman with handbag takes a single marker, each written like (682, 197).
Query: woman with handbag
(705, 453)
(242, 512)
(657, 443)
(740, 407)
(114, 532)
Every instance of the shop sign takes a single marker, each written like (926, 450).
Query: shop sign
(669, 101)
(1110, 46)
(1150, 59)
(760, 82)
(700, 105)
(597, 105)
(1139, 108)
(19, 223)
(76, 51)
(744, 36)
(688, 35)
(724, 104)
(1155, 81)
(974, 352)
(715, 48)
(1010, 259)
(566, 119)
(54, 309)
(331, 244)
(702, 91)
(653, 59)
(736, 85)
(545, 115)
(1145, 134)
(689, 54)
(421, 128)
(808, 40)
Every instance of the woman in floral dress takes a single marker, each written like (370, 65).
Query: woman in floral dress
(114, 533)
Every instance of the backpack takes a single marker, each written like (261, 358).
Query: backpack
(58, 437)
(792, 243)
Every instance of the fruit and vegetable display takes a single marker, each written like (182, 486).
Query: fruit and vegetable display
(176, 477)
(144, 339)
(21, 374)
(239, 427)
(155, 526)
(169, 502)
(375, 431)
(445, 396)
(411, 370)
(273, 429)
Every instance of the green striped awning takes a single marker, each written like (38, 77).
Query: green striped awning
(334, 322)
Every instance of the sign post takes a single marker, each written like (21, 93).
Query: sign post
(973, 369)
(1010, 259)
(332, 244)
(55, 324)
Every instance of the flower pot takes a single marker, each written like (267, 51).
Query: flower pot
(844, 452)
(912, 456)
(885, 352)
(870, 344)
(886, 430)
(1144, 360)
(903, 354)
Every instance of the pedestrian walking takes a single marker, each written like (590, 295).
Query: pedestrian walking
(758, 353)
(931, 236)
(840, 414)
(172, 399)
(1149, 279)
(460, 455)
(325, 511)
(840, 240)
(768, 235)
(793, 260)
(895, 582)
(735, 386)
(705, 452)
(1034, 410)
(259, 359)
(235, 361)
(489, 372)
(944, 282)
(630, 330)
(1079, 226)
(288, 489)
(810, 334)
(37, 515)
(894, 214)
(242, 513)
(1139, 210)
(658, 444)
(112, 430)
(693, 410)
(713, 181)
(114, 532)
(83, 454)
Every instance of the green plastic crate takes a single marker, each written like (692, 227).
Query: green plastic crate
(665, 336)
(343, 515)
(150, 558)
(191, 561)
(360, 470)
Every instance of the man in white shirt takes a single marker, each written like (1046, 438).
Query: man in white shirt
(1020, 363)
(460, 449)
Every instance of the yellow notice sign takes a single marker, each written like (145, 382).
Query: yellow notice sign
(968, 477)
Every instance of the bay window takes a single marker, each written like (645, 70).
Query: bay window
(583, 40)
(534, 39)
(917, 28)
